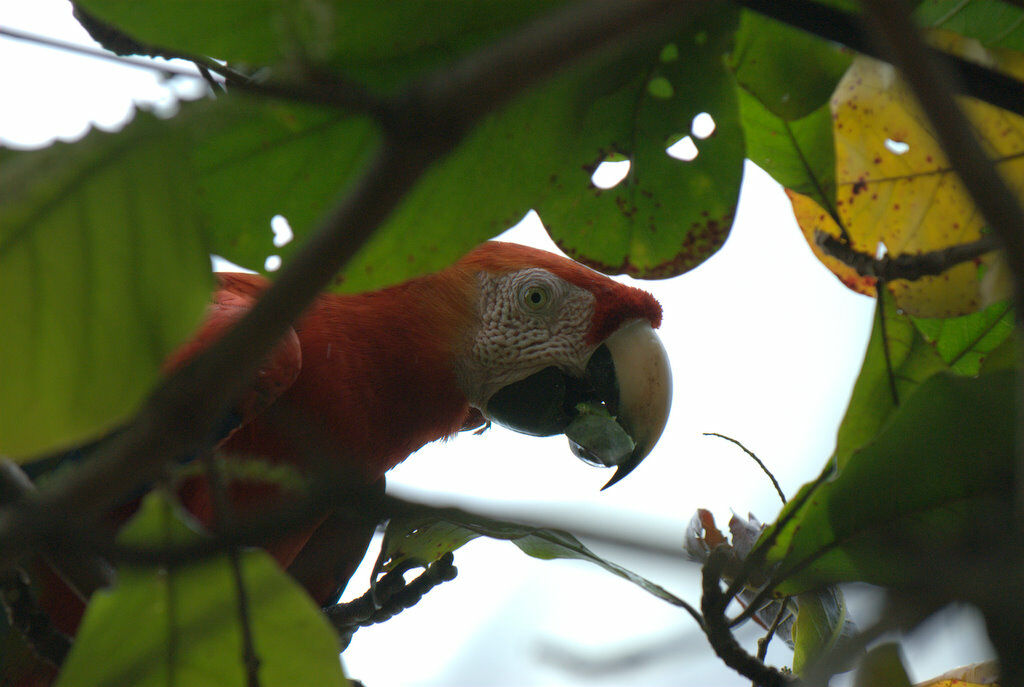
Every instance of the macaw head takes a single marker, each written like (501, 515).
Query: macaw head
(561, 349)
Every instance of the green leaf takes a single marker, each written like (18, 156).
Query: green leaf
(104, 269)
(1003, 357)
(257, 159)
(882, 667)
(798, 154)
(790, 72)
(964, 342)
(885, 377)
(180, 626)
(992, 22)
(821, 623)
(941, 468)
(430, 533)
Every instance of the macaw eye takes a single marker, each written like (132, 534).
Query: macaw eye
(535, 297)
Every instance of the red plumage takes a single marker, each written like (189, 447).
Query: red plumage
(362, 381)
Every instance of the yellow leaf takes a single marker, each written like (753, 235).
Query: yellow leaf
(812, 218)
(974, 675)
(895, 186)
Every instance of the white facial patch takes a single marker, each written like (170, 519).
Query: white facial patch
(530, 319)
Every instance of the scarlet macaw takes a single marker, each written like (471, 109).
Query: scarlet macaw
(508, 333)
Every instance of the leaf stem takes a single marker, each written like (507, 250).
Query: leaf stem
(883, 327)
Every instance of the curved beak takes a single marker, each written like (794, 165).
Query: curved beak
(613, 416)
(645, 390)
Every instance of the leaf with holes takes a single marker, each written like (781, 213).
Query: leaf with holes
(426, 535)
(667, 217)
(669, 214)
(540, 151)
(939, 472)
(89, 233)
(191, 634)
(896, 188)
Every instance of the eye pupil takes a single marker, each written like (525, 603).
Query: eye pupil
(535, 297)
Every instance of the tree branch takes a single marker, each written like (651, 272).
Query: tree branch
(713, 604)
(83, 572)
(910, 267)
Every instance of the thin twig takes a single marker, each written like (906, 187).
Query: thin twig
(333, 92)
(910, 267)
(764, 468)
(165, 70)
(763, 642)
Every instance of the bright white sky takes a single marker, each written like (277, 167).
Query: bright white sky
(765, 345)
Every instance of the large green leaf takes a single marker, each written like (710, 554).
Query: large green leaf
(917, 349)
(897, 360)
(181, 626)
(93, 231)
(798, 154)
(940, 469)
(790, 72)
(104, 268)
(426, 535)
